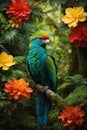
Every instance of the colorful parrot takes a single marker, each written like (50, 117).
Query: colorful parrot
(42, 69)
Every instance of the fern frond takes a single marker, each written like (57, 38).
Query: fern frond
(53, 118)
(11, 35)
(19, 59)
(78, 96)
(18, 74)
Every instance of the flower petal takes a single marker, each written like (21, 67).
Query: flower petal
(18, 89)
(19, 9)
(73, 24)
(6, 61)
(71, 116)
(74, 15)
(66, 19)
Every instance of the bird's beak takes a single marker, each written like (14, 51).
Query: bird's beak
(46, 41)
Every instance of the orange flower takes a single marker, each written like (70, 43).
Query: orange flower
(18, 89)
(72, 116)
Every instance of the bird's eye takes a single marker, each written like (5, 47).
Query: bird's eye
(40, 38)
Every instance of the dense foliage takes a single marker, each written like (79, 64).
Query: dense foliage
(72, 87)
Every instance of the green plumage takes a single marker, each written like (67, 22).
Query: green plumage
(43, 71)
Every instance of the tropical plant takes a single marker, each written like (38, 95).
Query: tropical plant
(71, 58)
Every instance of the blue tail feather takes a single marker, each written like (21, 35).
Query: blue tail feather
(42, 109)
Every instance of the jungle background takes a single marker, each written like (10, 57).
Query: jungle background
(72, 66)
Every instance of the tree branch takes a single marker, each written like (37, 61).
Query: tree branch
(52, 96)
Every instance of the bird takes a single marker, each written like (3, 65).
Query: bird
(43, 70)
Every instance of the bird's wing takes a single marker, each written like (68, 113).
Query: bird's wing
(51, 70)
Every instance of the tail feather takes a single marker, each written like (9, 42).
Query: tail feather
(42, 109)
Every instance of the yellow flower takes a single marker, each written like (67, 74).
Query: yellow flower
(14, 23)
(6, 61)
(74, 15)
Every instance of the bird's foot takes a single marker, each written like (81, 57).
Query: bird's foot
(44, 89)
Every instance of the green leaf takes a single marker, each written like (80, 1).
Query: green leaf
(18, 74)
(64, 86)
(19, 59)
(10, 35)
(78, 96)
(2, 18)
(52, 10)
(56, 2)
(76, 79)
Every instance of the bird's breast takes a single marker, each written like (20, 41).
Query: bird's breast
(37, 59)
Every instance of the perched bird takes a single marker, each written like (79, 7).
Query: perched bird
(42, 69)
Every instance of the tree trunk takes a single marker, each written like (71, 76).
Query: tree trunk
(79, 61)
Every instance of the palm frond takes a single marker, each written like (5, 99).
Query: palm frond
(11, 35)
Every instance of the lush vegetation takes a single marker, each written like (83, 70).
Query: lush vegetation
(72, 71)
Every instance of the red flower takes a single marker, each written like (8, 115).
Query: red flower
(18, 89)
(19, 9)
(72, 116)
(79, 35)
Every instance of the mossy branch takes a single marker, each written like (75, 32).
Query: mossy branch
(54, 97)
